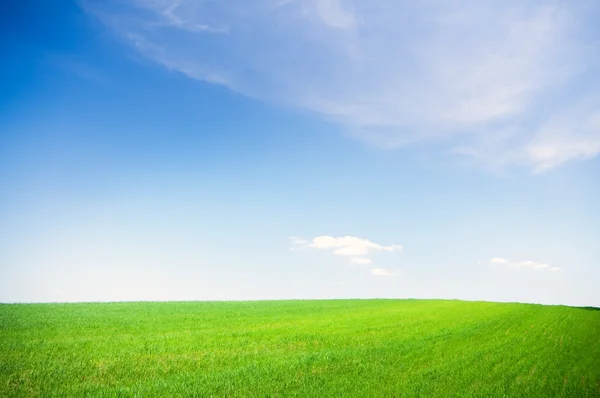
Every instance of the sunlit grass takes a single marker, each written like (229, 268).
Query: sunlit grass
(299, 348)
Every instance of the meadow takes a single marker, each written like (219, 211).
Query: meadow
(329, 348)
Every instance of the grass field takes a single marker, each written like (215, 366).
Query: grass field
(379, 348)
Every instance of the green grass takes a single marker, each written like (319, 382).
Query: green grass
(374, 348)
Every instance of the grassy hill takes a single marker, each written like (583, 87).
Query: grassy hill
(371, 348)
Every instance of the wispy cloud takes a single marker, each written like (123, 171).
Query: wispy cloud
(528, 264)
(297, 244)
(333, 13)
(502, 82)
(356, 249)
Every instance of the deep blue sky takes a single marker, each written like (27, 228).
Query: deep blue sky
(158, 152)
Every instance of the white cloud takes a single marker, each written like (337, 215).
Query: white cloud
(503, 82)
(528, 264)
(174, 14)
(557, 142)
(383, 272)
(353, 250)
(348, 246)
(532, 265)
(333, 14)
(297, 243)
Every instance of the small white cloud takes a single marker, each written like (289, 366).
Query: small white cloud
(351, 246)
(392, 248)
(554, 269)
(528, 264)
(351, 251)
(383, 272)
(297, 244)
(532, 265)
(298, 241)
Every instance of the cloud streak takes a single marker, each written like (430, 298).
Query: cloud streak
(502, 83)
(528, 264)
(357, 250)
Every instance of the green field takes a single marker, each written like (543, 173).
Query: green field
(378, 348)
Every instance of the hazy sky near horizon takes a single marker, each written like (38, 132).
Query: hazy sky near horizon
(278, 149)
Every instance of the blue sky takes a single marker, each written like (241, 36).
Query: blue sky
(211, 150)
